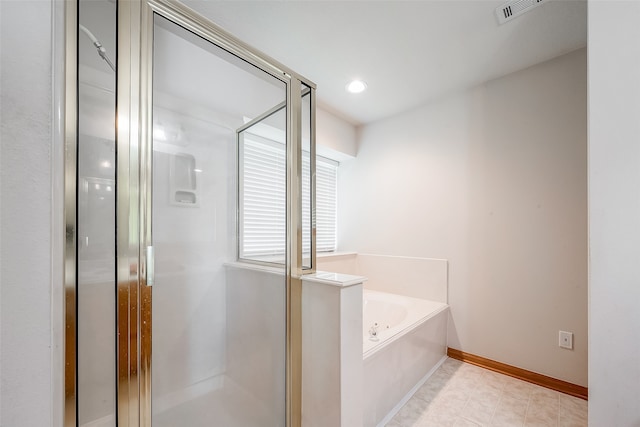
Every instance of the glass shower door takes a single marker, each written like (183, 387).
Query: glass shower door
(218, 327)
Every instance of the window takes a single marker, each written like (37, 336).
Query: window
(326, 204)
(263, 200)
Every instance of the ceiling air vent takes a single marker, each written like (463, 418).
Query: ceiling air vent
(510, 10)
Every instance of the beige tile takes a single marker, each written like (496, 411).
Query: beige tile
(573, 406)
(539, 423)
(468, 371)
(448, 404)
(568, 421)
(544, 394)
(542, 413)
(468, 382)
(395, 422)
(573, 414)
(451, 365)
(543, 408)
(480, 409)
(457, 392)
(440, 377)
(471, 369)
(510, 412)
(463, 422)
(411, 412)
(487, 394)
(518, 389)
(460, 394)
(463, 383)
(507, 420)
(431, 388)
(427, 393)
(493, 380)
(573, 411)
(511, 405)
(441, 418)
(418, 405)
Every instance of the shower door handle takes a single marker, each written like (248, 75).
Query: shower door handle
(150, 258)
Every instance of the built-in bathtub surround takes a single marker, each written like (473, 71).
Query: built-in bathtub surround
(409, 345)
(332, 350)
(424, 278)
(404, 328)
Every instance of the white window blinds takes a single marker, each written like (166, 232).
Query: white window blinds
(326, 204)
(262, 198)
(263, 204)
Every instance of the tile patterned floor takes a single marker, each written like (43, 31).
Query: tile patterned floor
(460, 394)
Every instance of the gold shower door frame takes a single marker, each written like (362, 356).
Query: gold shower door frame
(133, 204)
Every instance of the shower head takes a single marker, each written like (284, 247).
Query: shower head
(101, 50)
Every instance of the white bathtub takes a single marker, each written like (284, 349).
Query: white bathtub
(394, 315)
(409, 345)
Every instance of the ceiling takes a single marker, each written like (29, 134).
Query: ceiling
(408, 52)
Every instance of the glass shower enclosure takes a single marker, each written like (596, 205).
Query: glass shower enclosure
(196, 205)
(218, 329)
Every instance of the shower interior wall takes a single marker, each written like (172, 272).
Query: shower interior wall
(192, 244)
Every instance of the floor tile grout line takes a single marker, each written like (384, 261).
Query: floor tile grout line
(526, 413)
(498, 404)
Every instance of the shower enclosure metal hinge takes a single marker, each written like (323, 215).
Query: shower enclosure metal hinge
(150, 266)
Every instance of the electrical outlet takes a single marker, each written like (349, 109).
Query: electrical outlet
(565, 340)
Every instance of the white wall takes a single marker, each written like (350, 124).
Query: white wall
(494, 180)
(335, 138)
(614, 212)
(28, 215)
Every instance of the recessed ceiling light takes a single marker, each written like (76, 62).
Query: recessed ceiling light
(356, 86)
